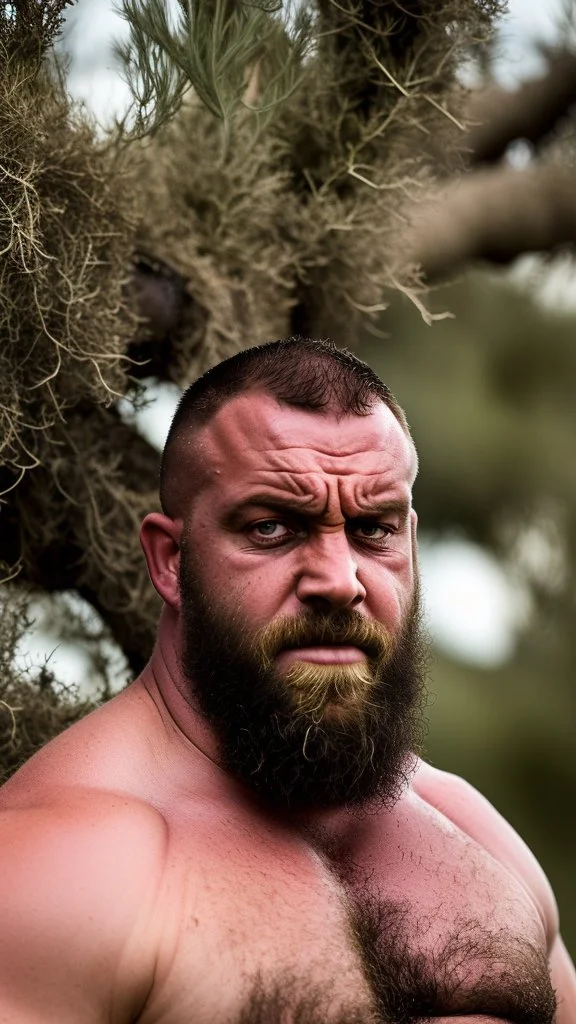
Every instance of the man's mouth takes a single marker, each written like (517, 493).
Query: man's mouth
(322, 654)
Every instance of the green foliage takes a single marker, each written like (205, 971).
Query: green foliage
(216, 46)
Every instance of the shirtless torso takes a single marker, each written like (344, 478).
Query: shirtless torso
(142, 882)
(157, 892)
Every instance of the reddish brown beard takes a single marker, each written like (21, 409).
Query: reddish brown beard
(287, 743)
(319, 692)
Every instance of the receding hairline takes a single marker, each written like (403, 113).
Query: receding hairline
(299, 372)
(189, 428)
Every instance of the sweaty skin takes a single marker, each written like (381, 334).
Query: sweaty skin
(141, 882)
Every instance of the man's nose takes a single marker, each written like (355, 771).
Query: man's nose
(329, 573)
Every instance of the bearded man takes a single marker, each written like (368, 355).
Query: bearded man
(245, 834)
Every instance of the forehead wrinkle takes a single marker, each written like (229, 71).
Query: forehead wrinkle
(298, 461)
(397, 456)
(313, 494)
(324, 452)
(376, 496)
(310, 485)
(374, 486)
(304, 489)
(245, 441)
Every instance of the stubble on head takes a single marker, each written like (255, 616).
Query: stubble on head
(314, 735)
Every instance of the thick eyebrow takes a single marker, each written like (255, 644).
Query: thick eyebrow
(274, 503)
(399, 507)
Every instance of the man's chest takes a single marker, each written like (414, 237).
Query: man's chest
(447, 928)
(420, 924)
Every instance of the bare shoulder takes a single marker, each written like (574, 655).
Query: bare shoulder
(463, 805)
(81, 872)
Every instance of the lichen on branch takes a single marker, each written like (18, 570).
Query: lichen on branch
(294, 215)
(67, 226)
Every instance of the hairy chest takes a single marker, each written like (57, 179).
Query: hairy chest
(445, 928)
(258, 928)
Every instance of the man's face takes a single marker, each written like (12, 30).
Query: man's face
(299, 600)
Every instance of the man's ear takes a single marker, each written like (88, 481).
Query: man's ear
(160, 540)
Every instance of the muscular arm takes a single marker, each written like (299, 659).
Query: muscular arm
(471, 812)
(77, 880)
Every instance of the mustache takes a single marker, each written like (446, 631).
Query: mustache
(343, 627)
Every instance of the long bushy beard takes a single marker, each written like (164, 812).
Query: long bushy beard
(315, 735)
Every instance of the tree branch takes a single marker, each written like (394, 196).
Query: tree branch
(499, 116)
(494, 215)
(72, 524)
(167, 310)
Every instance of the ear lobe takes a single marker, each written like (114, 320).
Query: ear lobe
(160, 540)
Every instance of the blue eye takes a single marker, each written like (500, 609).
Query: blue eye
(268, 527)
(269, 530)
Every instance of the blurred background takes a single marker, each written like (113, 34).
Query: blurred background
(489, 392)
